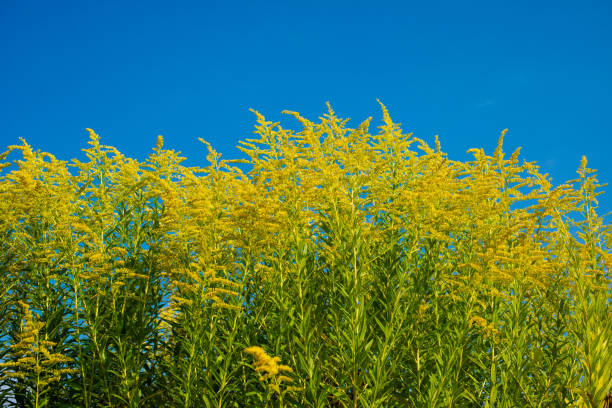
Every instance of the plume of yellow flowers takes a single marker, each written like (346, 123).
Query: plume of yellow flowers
(270, 369)
(32, 355)
(484, 326)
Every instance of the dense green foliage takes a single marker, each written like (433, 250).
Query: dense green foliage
(343, 270)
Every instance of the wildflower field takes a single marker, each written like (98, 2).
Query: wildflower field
(345, 268)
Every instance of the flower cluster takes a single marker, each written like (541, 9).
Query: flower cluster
(270, 369)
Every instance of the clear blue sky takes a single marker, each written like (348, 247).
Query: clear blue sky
(463, 70)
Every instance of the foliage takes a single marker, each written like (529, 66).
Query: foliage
(380, 272)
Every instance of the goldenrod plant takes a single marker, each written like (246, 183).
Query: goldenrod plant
(271, 372)
(32, 364)
(380, 272)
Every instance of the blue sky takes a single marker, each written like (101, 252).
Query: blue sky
(462, 70)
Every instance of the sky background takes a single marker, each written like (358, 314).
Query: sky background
(462, 70)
